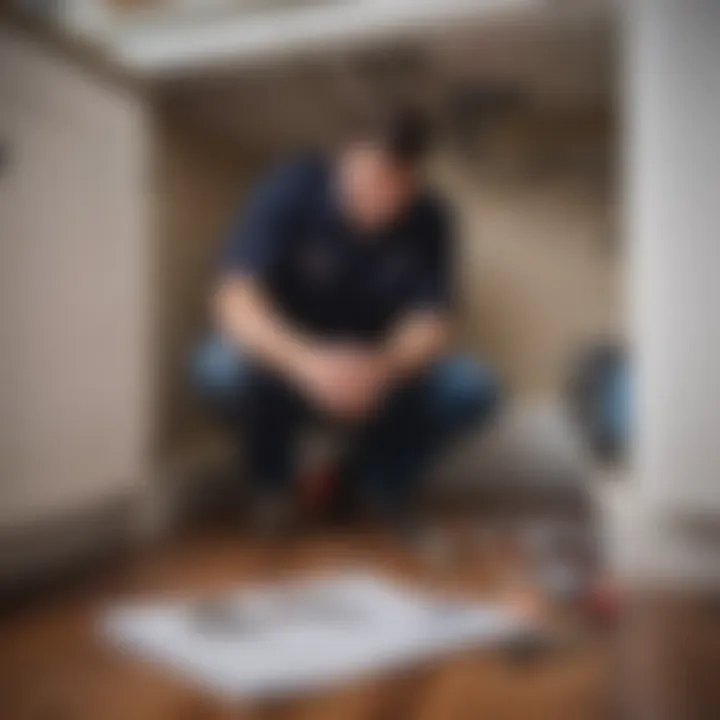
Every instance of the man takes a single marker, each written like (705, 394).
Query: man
(334, 301)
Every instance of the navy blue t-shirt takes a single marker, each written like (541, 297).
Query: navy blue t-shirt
(324, 275)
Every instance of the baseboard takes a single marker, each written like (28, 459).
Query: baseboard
(36, 552)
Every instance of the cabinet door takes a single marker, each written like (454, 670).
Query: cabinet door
(73, 303)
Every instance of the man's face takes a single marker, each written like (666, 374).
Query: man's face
(375, 190)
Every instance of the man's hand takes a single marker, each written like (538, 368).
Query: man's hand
(345, 381)
(349, 381)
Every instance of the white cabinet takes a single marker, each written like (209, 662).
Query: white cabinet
(75, 304)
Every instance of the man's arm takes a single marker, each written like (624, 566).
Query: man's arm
(331, 377)
(258, 241)
(417, 340)
(422, 335)
(245, 315)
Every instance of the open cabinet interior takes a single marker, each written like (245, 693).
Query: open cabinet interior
(526, 120)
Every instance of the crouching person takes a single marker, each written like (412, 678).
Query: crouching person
(334, 302)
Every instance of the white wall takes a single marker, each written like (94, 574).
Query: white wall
(74, 292)
(672, 97)
(537, 265)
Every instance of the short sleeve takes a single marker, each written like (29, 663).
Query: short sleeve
(260, 231)
(433, 286)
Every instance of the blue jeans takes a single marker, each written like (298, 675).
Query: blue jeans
(389, 452)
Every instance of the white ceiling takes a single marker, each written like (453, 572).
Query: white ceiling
(251, 34)
(167, 38)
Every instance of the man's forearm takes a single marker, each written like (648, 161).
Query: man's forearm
(247, 318)
(415, 343)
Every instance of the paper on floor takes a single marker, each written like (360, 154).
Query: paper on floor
(298, 637)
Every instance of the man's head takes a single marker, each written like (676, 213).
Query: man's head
(380, 168)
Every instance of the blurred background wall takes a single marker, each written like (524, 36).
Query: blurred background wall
(537, 266)
(198, 182)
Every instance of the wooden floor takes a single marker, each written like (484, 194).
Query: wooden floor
(53, 666)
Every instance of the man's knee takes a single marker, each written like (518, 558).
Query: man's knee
(231, 383)
(219, 372)
(466, 391)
